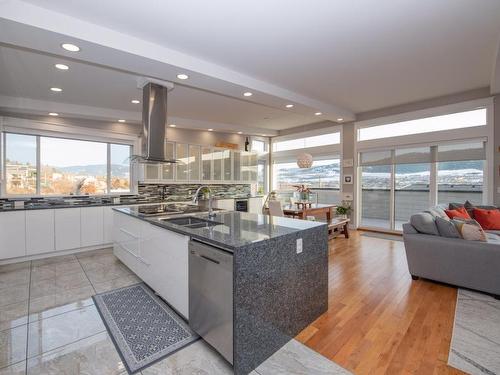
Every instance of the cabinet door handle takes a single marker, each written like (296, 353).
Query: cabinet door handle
(128, 250)
(141, 259)
(129, 234)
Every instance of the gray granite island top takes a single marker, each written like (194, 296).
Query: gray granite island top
(233, 229)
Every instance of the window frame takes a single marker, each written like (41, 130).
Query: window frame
(76, 137)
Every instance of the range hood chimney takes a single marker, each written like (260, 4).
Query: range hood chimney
(154, 121)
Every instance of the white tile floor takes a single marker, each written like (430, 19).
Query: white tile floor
(49, 325)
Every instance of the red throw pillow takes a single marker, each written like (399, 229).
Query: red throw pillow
(488, 219)
(460, 213)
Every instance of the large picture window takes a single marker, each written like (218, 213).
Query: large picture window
(40, 165)
(467, 119)
(323, 174)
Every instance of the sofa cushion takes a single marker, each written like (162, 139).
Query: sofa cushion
(488, 219)
(470, 230)
(438, 211)
(495, 232)
(460, 213)
(470, 208)
(424, 222)
(447, 228)
(492, 238)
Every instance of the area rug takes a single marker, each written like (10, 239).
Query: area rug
(144, 329)
(475, 345)
(383, 236)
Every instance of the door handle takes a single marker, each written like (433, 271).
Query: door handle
(210, 259)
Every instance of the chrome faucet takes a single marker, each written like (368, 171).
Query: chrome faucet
(211, 213)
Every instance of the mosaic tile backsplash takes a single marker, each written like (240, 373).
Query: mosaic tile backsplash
(185, 192)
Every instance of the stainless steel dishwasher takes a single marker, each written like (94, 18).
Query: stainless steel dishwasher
(211, 296)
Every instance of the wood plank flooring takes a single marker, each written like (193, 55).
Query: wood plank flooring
(379, 321)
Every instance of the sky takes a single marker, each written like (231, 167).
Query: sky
(59, 152)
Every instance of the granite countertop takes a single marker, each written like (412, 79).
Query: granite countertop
(97, 202)
(93, 203)
(235, 229)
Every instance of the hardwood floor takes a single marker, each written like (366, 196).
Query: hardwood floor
(379, 321)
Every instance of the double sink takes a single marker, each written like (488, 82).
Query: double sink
(190, 222)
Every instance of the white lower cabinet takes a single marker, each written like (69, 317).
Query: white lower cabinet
(255, 205)
(40, 236)
(92, 226)
(67, 228)
(158, 256)
(164, 265)
(108, 224)
(12, 234)
(224, 204)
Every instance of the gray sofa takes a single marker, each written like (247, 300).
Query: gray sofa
(469, 264)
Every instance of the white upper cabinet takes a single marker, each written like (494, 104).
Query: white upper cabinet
(92, 226)
(182, 152)
(201, 164)
(40, 236)
(218, 165)
(206, 164)
(167, 173)
(67, 228)
(12, 234)
(194, 163)
(227, 156)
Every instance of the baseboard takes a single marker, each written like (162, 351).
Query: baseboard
(54, 254)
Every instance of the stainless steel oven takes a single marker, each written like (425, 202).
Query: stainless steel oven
(241, 205)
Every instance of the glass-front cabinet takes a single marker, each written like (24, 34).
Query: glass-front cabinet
(194, 163)
(167, 172)
(206, 163)
(181, 150)
(202, 164)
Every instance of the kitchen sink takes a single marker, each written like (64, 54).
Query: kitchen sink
(191, 222)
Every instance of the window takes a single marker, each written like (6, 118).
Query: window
(459, 120)
(20, 164)
(66, 166)
(261, 176)
(324, 174)
(120, 168)
(306, 142)
(375, 196)
(258, 146)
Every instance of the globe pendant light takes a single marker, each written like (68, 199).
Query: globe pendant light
(304, 160)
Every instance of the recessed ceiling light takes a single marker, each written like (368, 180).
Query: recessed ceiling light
(121, 120)
(318, 113)
(210, 130)
(289, 106)
(53, 114)
(182, 76)
(70, 47)
(135, 101)
(248, 93)
(55, 89)
(172, 125)
(340, 119)
(61, 67)
(240, 132)
(263, 135)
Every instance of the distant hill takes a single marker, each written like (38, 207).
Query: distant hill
(117, 170)
(416, 168)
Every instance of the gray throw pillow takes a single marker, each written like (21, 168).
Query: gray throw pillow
(455, 206)
(437, 211)
(446, 228)
(424, 222)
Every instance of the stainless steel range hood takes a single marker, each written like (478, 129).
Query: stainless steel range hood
(154, 121)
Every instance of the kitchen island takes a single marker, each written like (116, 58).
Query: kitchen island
(279, 273)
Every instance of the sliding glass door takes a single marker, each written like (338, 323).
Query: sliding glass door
(397, 183)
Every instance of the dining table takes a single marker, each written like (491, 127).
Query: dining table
(302, 210)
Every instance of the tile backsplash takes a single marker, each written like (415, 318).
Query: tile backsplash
(184, 192)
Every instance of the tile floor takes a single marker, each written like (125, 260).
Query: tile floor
(49, 324)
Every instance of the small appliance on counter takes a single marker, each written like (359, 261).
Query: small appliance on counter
(241, 205)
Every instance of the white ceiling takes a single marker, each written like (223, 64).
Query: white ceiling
(339, 57)
(361, 54)
(29, 75)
